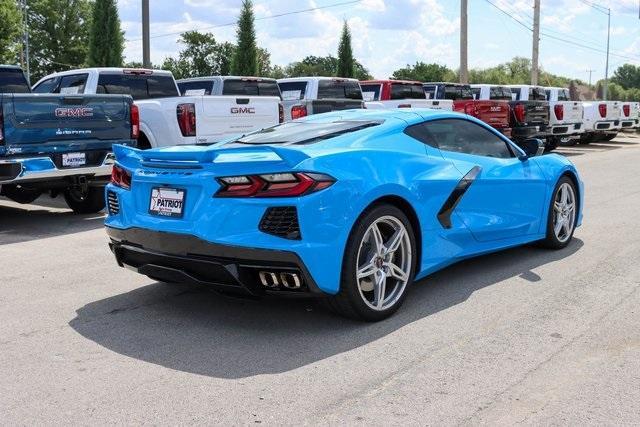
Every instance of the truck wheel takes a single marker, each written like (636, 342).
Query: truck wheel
(85, 202)
(552, 144)
(586, 139)
(609, 136)
(20, 194)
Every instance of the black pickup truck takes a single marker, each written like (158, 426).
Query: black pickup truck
(529, 113)
(59, 144)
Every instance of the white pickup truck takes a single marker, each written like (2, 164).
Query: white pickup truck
(399, 94)
(629, 119)
(166, 118)
(601, 121)
(566, 122)
(303, 96)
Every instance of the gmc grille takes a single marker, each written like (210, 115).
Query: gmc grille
(281, 221)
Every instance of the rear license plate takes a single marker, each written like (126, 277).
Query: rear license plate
(167, 202)
(73, 160)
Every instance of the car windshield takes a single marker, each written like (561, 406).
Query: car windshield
(304, 132)
(12, 80)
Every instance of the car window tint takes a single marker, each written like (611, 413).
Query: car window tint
(564, 95)
(46, 86)
(371, 92)
(421, 133)
(340, 89)
(138, 86)
(537, 94)
(201, 87)
(12, 80)
(161, 86)
(72, 84)
(304, 132)
(250, 87)
(476, 92)
(430, 91)
(500, 93)
(293, 90)
(463, 136)
(407, 91)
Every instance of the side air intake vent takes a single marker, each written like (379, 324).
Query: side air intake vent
(281, 221)
(112, 203)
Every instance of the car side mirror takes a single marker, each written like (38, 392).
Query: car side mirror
(532, 147)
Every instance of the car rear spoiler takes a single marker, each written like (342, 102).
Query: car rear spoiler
(207, 154)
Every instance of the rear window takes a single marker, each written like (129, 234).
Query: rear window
(537, 94)
(250, 87)
(371, 92)
(407, 91)
(293, 90)
(564, 95)
(500, 93)
(455, 92)
(430, 91)
(304, 132)
(13, 81)
(339, 89)
(138, 86)
(476, 92)
(200, 87)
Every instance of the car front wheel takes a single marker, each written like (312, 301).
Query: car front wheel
(378, 265)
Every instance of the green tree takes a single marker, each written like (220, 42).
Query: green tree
(326, 66)
(425, 73)
(10, 36)
(58, 35)
(627, 76)
(245, 59)
(106, 41)
(201, 56)
(346, 62)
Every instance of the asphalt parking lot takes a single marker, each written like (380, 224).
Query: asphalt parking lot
(524, 336)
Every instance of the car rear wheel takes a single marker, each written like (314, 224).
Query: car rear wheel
(563, 212)
(378, 265)
(86, 201)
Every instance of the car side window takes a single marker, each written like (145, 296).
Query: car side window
(73, 84)
(464, 136)
(47, 86)
(420, 133)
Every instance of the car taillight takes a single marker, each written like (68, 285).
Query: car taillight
(626, 109)
(602, 108)
(559, 111)
(287, 184)
(186, 114)
(121, 177)
(519, 112)
(298, 111)
(280, 113)
(135, 121)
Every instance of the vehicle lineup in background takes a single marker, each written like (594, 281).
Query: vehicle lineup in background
(304, 96)
(602, 120)
(399, 94)
(494, 110)
(565, 117)
(60, 143)
(529, 113)
(311, 207)
(166, 118)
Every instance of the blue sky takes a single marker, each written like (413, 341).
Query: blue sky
(388, 34)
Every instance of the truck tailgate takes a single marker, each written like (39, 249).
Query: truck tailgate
(572, 111)
(225, 116)
(494, 113)
(536, 112)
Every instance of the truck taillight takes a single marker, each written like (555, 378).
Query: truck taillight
(602, 108)
(298, 111)
(519, 112)
(280, 113)
(135, 121)
(186, 114)
(121, 177)
(626, 109)
(288, 184)
(559, 111)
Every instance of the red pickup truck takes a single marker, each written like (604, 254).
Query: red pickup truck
(493, 112)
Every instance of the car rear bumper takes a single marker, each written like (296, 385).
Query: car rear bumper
(22, 170)
(566, 129)
(627, 124)
(183, 258)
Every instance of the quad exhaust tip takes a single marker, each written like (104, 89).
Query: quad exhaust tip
(273, 280)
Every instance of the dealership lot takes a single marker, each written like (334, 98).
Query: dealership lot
(526, 335)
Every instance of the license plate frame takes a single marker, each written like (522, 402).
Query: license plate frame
(167, 202)
(74, 160)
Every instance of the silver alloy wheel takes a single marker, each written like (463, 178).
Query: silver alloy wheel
(383, 265)
(564, 212)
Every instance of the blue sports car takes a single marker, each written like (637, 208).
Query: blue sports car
(352, 206)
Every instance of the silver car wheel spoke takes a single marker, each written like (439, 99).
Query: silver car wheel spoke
(367, 270)
(396, 272)
(379, 289)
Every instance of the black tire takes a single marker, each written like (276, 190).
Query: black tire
(88, 202)
(143, 142)
(349, 302)
(608, 137)
(20, 194)
(586, 139)
(552, 241)
(551, 144)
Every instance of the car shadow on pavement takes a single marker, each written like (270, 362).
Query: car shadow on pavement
(196, 331)
(44, 218)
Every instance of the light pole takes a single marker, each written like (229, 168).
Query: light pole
(606, 67)
(464, 65)
(536, 43)
(146, 55)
